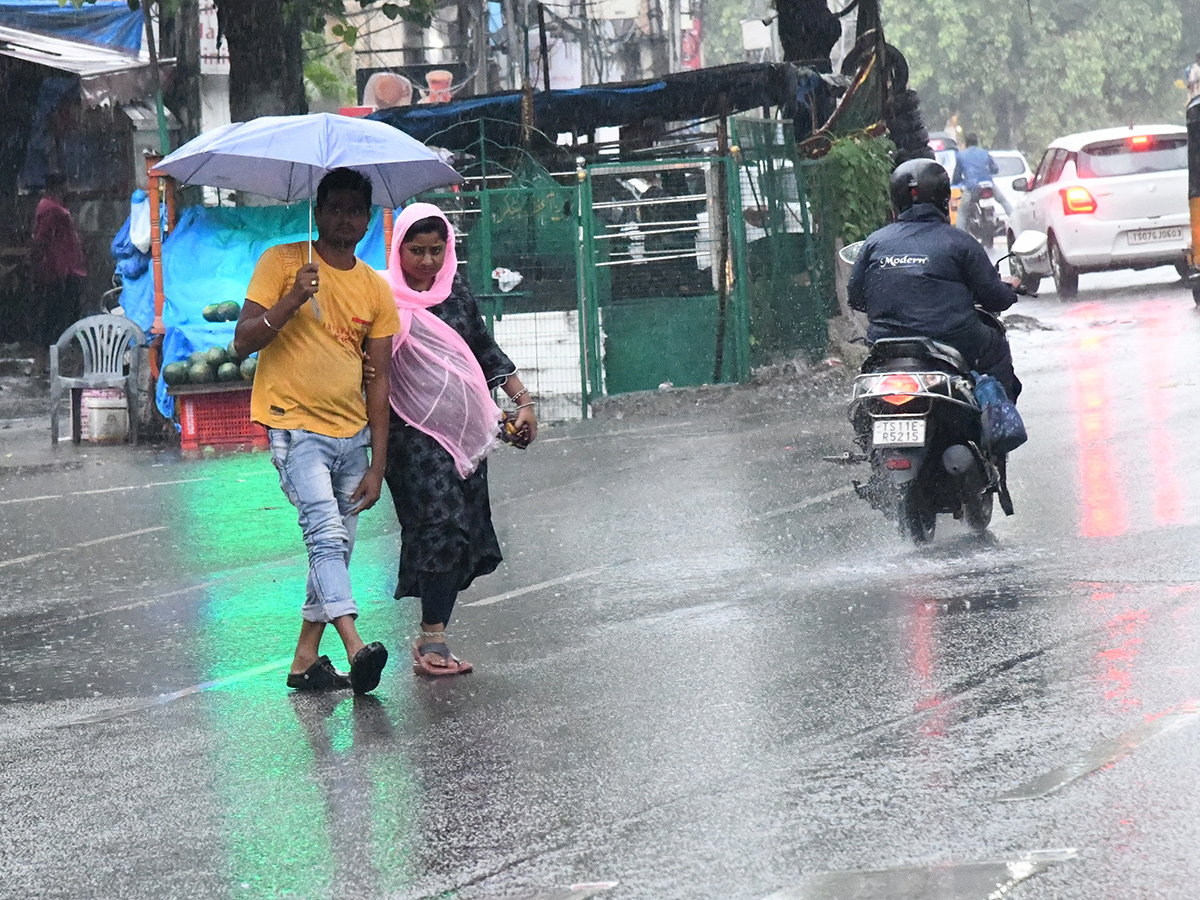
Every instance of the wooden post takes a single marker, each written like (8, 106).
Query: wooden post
(543, 45)
(389, 221)
(157, 329)
(722, 255)
(167, 184)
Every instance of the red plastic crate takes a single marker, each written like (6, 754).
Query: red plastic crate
(217, 415)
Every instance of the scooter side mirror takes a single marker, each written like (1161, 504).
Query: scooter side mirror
(1020, 184)
(1029, 243)
(849, 253)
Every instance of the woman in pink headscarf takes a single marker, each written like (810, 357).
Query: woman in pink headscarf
(444, 423)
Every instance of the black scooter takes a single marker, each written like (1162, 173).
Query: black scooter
(918, 423)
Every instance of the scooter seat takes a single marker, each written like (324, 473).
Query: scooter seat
(886, 349)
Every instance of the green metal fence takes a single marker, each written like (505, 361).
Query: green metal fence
(790, 240)
(633, 275)
(662, 282)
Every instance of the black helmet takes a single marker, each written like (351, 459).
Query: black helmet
(920, 181)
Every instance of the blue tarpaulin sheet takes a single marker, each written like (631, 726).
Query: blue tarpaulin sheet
(108, 23)
(208, 257)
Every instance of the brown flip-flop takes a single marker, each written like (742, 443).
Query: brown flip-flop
(422, 666)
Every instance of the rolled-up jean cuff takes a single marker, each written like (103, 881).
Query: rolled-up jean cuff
(328, 612)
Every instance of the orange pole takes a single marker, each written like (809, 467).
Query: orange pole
(389, 222)
(168, 188)
(157, 329)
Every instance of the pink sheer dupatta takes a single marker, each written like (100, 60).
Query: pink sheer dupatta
(437, 385)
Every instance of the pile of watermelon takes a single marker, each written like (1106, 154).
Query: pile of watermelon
(209, 366)
(222, 312)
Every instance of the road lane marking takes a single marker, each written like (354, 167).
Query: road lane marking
(104, 540)
(111, 490)
(1104, 754)
(519, 592)
(31, 499)
(164, 699)
(804, 504)
(990, 879)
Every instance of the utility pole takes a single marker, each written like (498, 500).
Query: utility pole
(672, 35)
(482, 57)
(659, 62)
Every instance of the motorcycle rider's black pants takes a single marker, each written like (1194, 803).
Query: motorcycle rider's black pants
(986, 349)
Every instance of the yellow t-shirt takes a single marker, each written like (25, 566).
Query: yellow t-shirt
(310, 376)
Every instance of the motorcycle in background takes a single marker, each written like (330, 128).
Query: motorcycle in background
(982, 223)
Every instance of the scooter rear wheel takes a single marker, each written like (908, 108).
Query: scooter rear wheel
(977, 509)
(916, 519)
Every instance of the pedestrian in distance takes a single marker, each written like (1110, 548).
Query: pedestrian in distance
(56, 264)
(314, 324)
(443, 424)
(1191, 79)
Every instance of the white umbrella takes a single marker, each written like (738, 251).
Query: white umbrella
(285, 157)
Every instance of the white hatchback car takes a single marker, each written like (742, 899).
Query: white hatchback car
(1116, 198)
(1011, 165)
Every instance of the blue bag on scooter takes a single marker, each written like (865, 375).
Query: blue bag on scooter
(1003, 428)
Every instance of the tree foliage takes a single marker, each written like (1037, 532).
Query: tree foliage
(1023, 72)
(861, 166)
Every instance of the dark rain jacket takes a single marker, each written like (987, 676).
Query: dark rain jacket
(921, 275)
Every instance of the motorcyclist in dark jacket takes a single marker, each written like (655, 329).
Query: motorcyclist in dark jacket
(920, 276)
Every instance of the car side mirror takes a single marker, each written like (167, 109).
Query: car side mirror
(1020, 184)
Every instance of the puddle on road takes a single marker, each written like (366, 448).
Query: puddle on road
(1102, 755)
(578, 891)
(982, 880)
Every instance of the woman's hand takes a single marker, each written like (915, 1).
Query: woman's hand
(527, 420)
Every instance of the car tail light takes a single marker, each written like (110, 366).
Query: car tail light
(906, 383)
(1141, 142)
(985, 193)
(1077, 200)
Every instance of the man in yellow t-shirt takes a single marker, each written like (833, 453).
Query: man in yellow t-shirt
(313, 324)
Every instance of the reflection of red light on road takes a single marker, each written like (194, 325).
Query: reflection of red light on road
(1116, 660)
(922, 640)
(1100, 493)
(1158, 338)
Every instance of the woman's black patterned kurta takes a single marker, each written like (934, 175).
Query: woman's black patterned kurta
(445, 522)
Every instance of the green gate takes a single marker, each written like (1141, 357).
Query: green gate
(789, 205)
(661, 276)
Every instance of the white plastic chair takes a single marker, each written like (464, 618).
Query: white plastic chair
(110, 360)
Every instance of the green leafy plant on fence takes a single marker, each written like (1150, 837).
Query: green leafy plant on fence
(861, 166)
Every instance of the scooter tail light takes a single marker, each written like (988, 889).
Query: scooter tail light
(1076, 200)
(985, 193)
(895, 464)
(909, 384)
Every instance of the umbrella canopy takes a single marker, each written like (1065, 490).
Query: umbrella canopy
(285, 157)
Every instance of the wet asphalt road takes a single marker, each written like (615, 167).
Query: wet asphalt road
(706, 670)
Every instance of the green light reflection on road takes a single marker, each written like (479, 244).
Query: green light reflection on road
(316, 791)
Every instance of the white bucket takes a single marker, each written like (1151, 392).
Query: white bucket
(107, 419)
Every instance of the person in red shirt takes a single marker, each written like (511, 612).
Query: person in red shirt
(56, 262)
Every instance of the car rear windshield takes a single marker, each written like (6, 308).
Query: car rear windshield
(1159, 153)
(1009, 165)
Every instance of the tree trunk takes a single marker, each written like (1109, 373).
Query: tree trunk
(184, 97)
(808, 31)
(266, 59)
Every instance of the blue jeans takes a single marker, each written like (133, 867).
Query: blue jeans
(318, 474)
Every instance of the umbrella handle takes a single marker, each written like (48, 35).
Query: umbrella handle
(315, 308)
